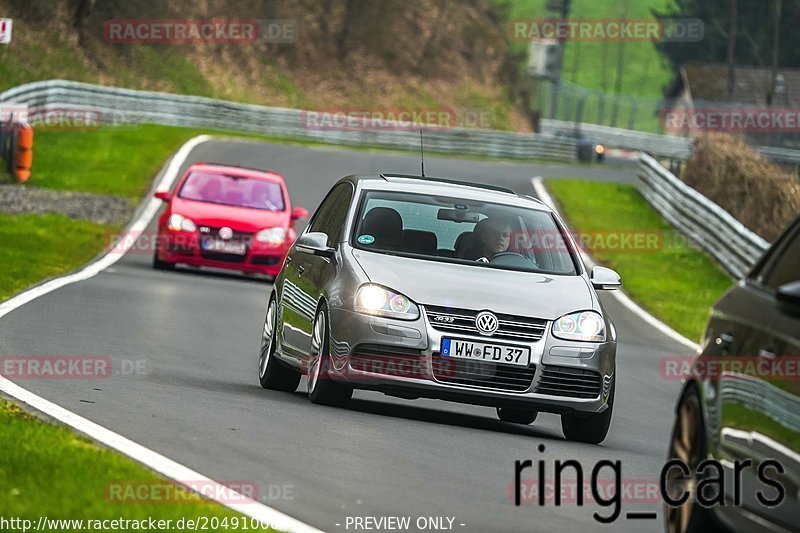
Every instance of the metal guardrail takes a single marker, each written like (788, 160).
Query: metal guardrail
(663, 146)
(118, 105)
(708, 225)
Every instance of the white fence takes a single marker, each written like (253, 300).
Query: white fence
(704, 222)
(117, 105)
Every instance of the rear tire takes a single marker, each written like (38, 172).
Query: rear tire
(516, 416)
(592, 428)
(271, 373)
(322, 389)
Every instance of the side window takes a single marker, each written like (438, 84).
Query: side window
(784, 266)
(331, 215)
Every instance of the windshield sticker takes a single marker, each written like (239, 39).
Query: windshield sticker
(366, 239)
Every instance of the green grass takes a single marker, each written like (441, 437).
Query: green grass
(675, 282)
(35, 247)
(47, 470)
(119, 160)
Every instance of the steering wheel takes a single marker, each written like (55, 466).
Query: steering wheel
(507, 254)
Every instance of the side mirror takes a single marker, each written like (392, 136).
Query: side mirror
(162, 195)
(299, 213)
(603, 278)
(314, 243)
(788, 298)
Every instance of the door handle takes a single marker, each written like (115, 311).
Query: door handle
(766, 354)
(300, 270)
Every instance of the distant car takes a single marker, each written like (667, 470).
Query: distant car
(226, 217)
(587, 148)
(424, 287)
(740, 406)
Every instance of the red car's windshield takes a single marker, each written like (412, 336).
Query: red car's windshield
(233, 190)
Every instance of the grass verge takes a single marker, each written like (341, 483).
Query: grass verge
(48, 471)
(674, 281)
(36, 247)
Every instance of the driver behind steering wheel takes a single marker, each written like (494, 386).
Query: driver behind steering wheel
(491, 236)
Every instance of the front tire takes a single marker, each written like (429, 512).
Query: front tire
(688, 444)
(516, 416)
(158, 264)
(322, 389)
(271, 373)
(592, 428)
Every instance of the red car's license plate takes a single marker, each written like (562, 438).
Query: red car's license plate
(227, 247)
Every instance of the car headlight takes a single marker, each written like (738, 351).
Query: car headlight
(373, 299)
(271, 235)
(582, 326)
(180, 223)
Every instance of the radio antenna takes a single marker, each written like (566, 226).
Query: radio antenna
(421, 153)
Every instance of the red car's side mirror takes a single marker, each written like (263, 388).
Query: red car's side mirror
(162, 195)
(299, 213)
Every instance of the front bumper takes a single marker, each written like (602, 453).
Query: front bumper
(184, 248)
(403, 359)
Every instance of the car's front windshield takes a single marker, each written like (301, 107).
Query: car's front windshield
(452, 229)
(233, 190)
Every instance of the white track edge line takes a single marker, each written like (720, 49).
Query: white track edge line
(624, 299)
(161, 464)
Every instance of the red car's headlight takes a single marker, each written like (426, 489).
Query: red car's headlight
(271, 236)
(181, 223)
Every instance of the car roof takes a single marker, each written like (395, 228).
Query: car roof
(238, 170)
(445, 186)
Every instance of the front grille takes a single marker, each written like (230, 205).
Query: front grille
(570, 382)
(228, 258)
(482, 374)
(511, 327)
(389, 360)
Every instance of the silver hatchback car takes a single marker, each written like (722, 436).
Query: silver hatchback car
(425, 287)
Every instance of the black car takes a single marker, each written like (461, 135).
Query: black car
(587, 149)
(737, 424)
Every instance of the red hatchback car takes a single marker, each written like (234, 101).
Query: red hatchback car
(227, 217)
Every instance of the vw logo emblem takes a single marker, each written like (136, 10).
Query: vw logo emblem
(486, 323)
(225, 233)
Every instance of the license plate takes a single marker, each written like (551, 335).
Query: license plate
(227, 247)
(490, 353)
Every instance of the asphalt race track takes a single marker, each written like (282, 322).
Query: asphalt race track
(198, 400)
